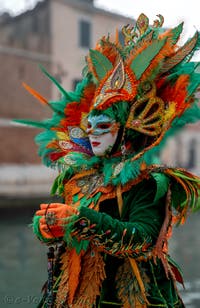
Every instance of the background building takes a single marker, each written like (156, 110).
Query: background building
(56, 34)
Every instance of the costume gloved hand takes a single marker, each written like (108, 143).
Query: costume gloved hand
(54, 218)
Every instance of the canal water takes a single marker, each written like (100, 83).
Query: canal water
(23, 259)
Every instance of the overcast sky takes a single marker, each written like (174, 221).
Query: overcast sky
(174, 11)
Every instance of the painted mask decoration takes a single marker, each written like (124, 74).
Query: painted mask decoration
(102, 132)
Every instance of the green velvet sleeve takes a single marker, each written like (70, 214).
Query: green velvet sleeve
(136, 231)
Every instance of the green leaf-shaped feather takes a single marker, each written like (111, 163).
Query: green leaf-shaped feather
(194, 83)
(141, 62)
(162, 182)
(176, 33)
(101, 64)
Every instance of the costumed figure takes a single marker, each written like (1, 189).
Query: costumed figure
(108, 239)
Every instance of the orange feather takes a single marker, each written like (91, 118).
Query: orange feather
(74, 272)
(36, 94)
(109, 50)
(177, 93)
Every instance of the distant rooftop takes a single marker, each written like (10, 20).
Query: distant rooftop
(87, 5)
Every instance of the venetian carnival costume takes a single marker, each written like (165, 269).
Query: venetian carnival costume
(111, 231)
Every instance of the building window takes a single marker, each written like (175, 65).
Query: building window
(84, 34)
(35, 24)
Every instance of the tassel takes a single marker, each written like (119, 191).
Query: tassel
(50, 265)
(139, 280)
(119, 199)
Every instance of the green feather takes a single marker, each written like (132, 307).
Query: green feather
(194, 83)
(192, 185)
(176, 32)
(143, 59)
(54, 121)
(54, 81)
(30, 123)
(45, 136)
(186, 68)
(101, 63)
(72, 241)
(162, 182)
(58, 184)
(178, 195)
(58, 106)
(190, 53)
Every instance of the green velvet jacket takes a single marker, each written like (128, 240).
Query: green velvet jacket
(117, 239)
(142, 218)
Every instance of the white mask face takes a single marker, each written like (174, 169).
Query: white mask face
(102, 132)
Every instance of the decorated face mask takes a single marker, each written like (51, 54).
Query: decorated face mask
(102, 132)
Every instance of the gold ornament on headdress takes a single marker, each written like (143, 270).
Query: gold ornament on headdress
(118, 86)
(129, 34)
(132, 34)
(140, 72)
(142, 23)
(146, 114)
(158, 22)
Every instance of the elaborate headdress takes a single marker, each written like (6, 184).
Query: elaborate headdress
(150, 72)
(147, 74)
